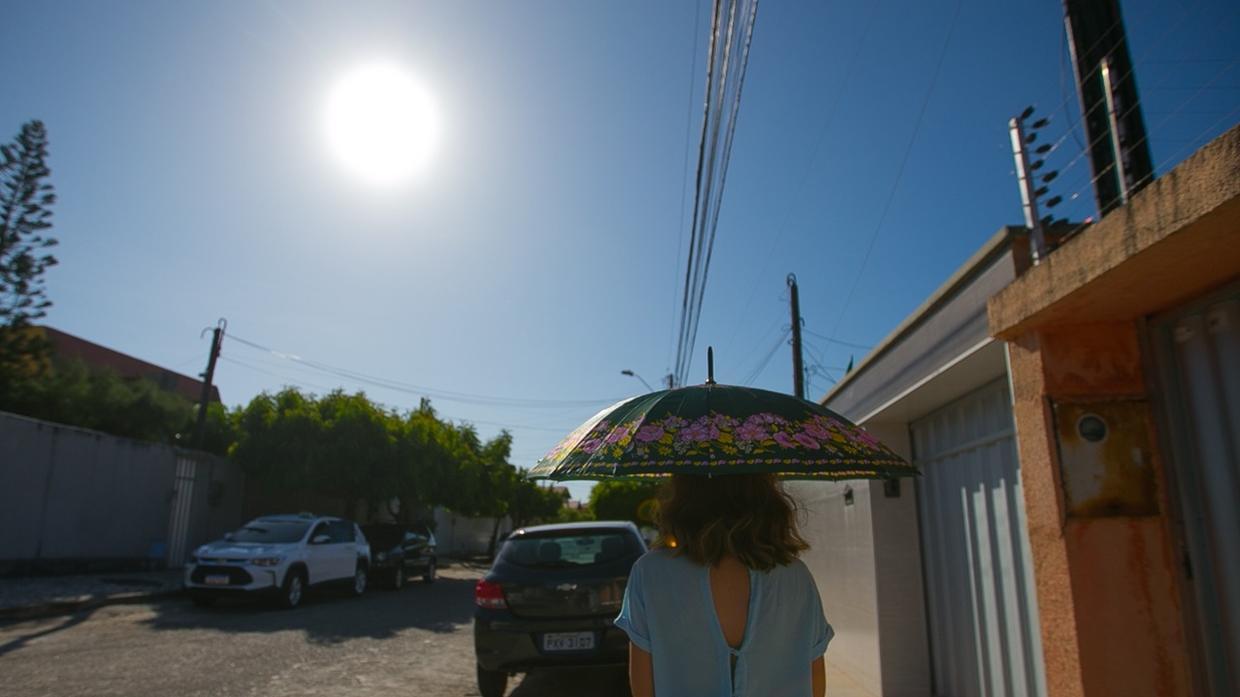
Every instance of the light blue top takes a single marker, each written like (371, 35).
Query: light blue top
(669, 612)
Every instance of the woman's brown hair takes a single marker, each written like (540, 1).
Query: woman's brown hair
(748, 516)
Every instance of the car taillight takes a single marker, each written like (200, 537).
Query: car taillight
(489, 595)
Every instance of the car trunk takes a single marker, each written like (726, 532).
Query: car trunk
(571, 592)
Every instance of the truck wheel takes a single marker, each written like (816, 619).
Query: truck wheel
(359, 580)
(398, 577)
(429, 576)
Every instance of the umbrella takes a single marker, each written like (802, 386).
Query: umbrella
(714, 429)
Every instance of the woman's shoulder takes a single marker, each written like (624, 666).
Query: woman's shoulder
(794, 571)
(661, 560)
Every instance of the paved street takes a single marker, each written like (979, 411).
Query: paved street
(415, 642)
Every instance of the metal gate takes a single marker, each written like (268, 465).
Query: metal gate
(1198, 351)
(983, 619)
(182, 505)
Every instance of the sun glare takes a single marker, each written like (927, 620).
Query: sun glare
(381, 124)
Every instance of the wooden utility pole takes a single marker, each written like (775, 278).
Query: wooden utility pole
(217, 338)
(798, 372)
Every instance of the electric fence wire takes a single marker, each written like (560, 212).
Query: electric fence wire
(727, 61)
(1170, 115)
(1078, 121)
(1106, 170)
(430, 392)
(895, 185)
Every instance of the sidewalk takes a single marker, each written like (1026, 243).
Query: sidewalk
(52, 595)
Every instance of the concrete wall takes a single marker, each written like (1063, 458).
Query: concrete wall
(70, 495)
(460, 535)
(841, 557)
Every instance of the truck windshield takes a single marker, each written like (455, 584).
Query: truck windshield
(568, 549)
(271, 532)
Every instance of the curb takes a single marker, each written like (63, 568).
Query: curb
(68, 607)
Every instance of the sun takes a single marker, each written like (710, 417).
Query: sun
(381, 124)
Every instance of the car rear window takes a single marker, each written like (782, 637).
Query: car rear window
(271, 532)
(568, 550)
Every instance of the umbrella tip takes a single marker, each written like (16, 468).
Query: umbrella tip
(710, 365)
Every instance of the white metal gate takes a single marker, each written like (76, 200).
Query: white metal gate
(1198, 349)
(182, 505)
(983, 619)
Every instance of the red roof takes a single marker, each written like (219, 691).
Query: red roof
(69, 346)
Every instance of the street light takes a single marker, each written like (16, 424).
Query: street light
(635, 375)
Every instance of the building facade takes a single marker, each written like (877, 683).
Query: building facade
(1075, 528)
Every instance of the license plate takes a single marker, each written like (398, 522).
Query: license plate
(568, 641)
(217, 580)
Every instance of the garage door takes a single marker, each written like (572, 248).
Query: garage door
(983, 620)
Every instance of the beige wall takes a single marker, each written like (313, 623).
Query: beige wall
(866, 558)
(841, 557)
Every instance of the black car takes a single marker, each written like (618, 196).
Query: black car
(550, 598)
(400, 551)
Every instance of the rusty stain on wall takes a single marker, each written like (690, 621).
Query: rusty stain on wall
(1105, 458)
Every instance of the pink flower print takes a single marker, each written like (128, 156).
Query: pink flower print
(649, 433)
(750, 431)
(591, 446)
(674, 422)
(805, 440)
(617, 435)
(784, 440)
(723, 421)
(865, 437)
(816, 430)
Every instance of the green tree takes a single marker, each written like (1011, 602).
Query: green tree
(625, 499)
(75, 394)
(25, 213)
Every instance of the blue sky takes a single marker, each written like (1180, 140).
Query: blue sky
(539, 254)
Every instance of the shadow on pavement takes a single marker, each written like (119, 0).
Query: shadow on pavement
(331, 616)
(61, 624)
(597, 682)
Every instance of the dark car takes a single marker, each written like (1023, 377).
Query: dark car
(398, 552)
(550, 598)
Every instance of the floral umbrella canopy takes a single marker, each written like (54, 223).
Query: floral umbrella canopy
(716, 429)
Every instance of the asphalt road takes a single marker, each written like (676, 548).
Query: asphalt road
(418, 641)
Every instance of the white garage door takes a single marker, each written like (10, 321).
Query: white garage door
(983, 619)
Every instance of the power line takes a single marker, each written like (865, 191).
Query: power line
(849, 344)
(434, 393)
(684, 182)
(757, 371)
(895, 186)
(298, 382)
(728, 58)
(849, 73)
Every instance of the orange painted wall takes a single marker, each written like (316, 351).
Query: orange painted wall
(1107, 589)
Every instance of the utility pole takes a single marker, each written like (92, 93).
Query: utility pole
(217, 338)
(1119, 151)
(798, 372)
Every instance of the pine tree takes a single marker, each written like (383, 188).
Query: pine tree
(25, 215)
